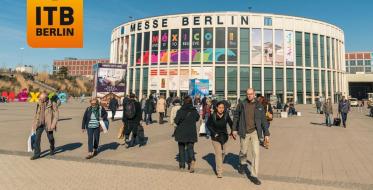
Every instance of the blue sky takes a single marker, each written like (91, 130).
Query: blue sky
(101, 16)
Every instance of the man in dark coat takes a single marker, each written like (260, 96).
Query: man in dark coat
(113, 106)
(133, 123)
(186, 133)
(248, 118)
(149, 109)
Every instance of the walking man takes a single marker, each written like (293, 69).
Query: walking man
(328, 111)
(113, 106)
(131, 119)
(45, 119)
(318, 106)
(248, 118)
(343, 108)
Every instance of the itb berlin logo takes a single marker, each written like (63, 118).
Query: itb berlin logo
(55, 23)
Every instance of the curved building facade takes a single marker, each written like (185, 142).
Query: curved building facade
(297, 59)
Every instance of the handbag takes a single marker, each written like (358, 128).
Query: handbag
(269, 116)
(202, 129)
(31, 142)
(121, 132)
(104, 126)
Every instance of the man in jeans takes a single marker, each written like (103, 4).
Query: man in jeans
(328, 111)
(248, 117)
(343, 108)
(45, 119)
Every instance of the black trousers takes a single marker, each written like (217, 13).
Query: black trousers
(113, 111)
(186, 150)
(93, 138)
(38, 133)
(161, 116)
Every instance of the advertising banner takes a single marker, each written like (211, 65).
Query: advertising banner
(198, 87)
(110, 78)
(289, 49)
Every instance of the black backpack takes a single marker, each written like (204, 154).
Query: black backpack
(130, 110)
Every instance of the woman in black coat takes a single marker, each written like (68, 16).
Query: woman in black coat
(186, 133)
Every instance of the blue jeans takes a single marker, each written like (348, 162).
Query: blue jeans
(186, 150)
(318, 110)
(328, 119)
(93, 138)
(344, 118)
(148, 118)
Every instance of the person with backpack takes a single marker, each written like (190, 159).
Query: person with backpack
(45, 119)
(91, 123)
(131, 119)
(344, 108)
(328, 111)
(113, 106)
(217, 125)
(186, 133)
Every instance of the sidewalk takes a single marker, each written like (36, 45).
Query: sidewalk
(303, 151)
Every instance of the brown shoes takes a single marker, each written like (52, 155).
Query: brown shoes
(192, 166)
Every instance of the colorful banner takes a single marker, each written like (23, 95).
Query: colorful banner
(289, 48)
(198, 87)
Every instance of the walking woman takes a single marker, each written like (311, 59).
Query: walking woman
(186, 133)
(91, 123)
(217, 124)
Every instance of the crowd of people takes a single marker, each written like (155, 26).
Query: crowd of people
(250, 123)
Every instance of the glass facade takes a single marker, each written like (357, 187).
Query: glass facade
(235, 58)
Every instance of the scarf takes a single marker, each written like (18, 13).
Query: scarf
(95, 111)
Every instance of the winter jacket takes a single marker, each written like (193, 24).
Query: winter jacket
(161, 105)
(344, 106)
(186, 118)
(239, 123)
(51, 115)
(87, 116)
(328, 108)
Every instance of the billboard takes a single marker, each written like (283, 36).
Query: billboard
(198, 87)
(289, 48)
(109, 78)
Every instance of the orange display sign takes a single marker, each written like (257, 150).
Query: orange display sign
(55, 23)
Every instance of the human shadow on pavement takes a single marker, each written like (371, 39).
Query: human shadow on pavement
(210, 159)
(63, 148)
(65, 119)
(108, 146)
(233, 160)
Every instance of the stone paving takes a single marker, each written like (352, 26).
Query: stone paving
(304, 154)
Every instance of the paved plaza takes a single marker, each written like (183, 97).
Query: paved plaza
(304, 154)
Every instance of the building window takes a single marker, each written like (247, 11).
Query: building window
(145, 80)
(155, 45)
(307, 48)
(267, 21)
(328, 52)
(244, 81)
(244, 46)
(220, 46)
(164, 53)
(268, 47)
(353, 63)
(145, 52)
(368, 69)
(322, 51)
(290, 80)
(315, 50)
(367, 62)
(208, 44)
(132, 56)
(279, 47)
(138, 48)
(308, 81)
(316, 82)
(257, 82)
(360, 62)
(130, 79)
(174, 54)
(256, 47)
(196, 45)
(299, 48)
(219, 81)
(232, 81)
(268, 78)
(333, 54)
(232, 46)
(323, 82)
(279, 80)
